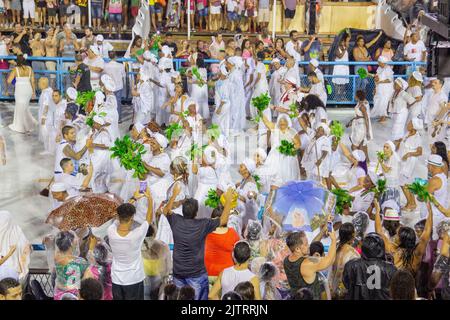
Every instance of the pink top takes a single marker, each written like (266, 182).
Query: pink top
(107, 286)
(115, 6)
(246, 54)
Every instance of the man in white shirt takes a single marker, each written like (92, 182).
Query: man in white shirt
(96, 65)
(73, 183)
(435, 103)
(127, 270)
(116, 71)
(103, 47)
(293, 47)
(414, 51)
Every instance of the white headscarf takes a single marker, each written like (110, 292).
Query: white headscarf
(262, 153)
(11, 234)
(210, 154)
(417, 124)
(285, 117)
(394, 153)
(250, 165)
(162, 141)
(326, 128)
(99, 98)
(359, 155)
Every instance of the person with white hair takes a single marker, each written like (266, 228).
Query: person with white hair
(410, 150)
(142, 99)
(390, 167)
(103, 46)
(248, 192)
(384, 89)
(14, 246)
(276, 81)
(100, 155)
(96, 65)
(398, 107)
(203, 168)
(282, 164)
(316, 160)
(237, 102)
(222, 100)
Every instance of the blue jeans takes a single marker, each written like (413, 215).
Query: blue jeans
(199, 284)
(119, 95)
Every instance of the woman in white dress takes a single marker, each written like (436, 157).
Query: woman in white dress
(410, 151)
(248, 192)
(195, 122)
(142, 99)
(275, 83)
(222, 98)
(207, 179)
(361, 132)
(342, 71)
(390, 168)
(415, 90)
(384, 89)
(237, 102)
(249, 81)
(285, 166)
(163, 92)
(23, 93)
(176, 104)
(180, 174)
(199, 88)
(358, 168)
(261, 85)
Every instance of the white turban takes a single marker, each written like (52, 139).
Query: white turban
(191, 101)
(417, 123)
(166, 50)
(359, 155)
(326, 128)
(139, 127)
(99, 120)
(72, 93)
(402, 83)
(108, 82)
(418, 76)
(99, 98)
(94, 49)
(210, 154)
(284, 116)
(162, 141)
(250, 165)
(392, 146)
(262, 154)
(58, 187)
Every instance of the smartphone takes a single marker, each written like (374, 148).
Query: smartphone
(142, 186)
(329, 226)
(38, 247)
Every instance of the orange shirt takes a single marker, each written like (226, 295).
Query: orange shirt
(218, 251)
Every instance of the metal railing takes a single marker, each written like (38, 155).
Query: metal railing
(341, 94)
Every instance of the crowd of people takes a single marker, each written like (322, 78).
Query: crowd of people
(168, 241)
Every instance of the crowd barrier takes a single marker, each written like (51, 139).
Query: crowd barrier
(343, 94)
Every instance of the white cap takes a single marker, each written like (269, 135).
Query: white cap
(99, 38)
(72, 93)
(58, 187)
(435, 160)
(162, 141)
(383, 59)
(250, 165)
(314, 62)
(418, 76)
(326, 128)
(391, 215)
(94, 49)
(108, 82)
(99, 120)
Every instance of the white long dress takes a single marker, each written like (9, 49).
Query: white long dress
(275, 87)
(399, 110)
(249, 72)
(262, 86)
(341, 70)
(101, 162)
(112, 116)
(159, 185)
(200, 94)
(162, 95)
(237, 100)
(416, 110)
(23, 120)
(409, 144)
(143, 104)
(384, 92)
(285, 167)
(359, 130)
(222, 94)
(207, 179)
(313, 153)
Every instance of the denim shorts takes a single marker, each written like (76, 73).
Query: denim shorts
(200, 284)
(232, 16)
(203, 12)
(97, 10)
(115, 17)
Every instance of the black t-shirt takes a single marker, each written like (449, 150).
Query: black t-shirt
(172, 45)
(85, 80)
(189, 244)
(24, 43)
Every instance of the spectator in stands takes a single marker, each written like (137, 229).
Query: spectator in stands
(311, 48)
(62, 12)
(415, 51)
(29, 8)
(88, 39)
(201, 6)
(116, 71)
(294, 45)
(21, 37)
(16, 7)
(290, 7)
(263, 14)
(10, 289)
(38, 48)
(361, 54)
(385, 51)
(341, 55)
(279, 50)
(96, 65)
(91, 289)
(83, 5)
(125, 13)
(115, 16)
(97, 13)
(202, 50)
(103, 47)
(170, 43)
(42, 13)
(126, 243)
(82, 81)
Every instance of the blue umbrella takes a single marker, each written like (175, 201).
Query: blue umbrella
(301, 204)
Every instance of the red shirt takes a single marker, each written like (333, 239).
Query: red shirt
(218, 251)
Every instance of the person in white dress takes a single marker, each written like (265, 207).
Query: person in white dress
(237, 102)
(260, 85)
(276, 81)
(284, 166)
(195, 122)
(361, 124)
(176, 104)
(199, 87)
(316, 160)
(292, 70)
(143, 99)
(248, 192)
(399, 109)
(416, 110)
(222, 99)
(384, 89)
(100, 156)
(44, 102)
(434, 105)
(207, 179)
(267, 178)
(390, 168)
(57, 107)
(163, 91)
(341, 71)
(317, 87)
(410, 150)
(110, 106)
(24, 90)
(249, 83)
(358, 168)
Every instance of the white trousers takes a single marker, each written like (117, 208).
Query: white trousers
(28, 9)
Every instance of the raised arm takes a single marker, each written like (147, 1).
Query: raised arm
(371, 43)
(379, 227)
(229, 195)
(88, 177)
(269, 124)
(313, 265)
(426, 235)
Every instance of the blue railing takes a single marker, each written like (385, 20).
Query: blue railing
(341, 94)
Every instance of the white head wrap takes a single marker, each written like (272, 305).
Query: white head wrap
(402, 83)
(210, 154)
(191, 101)
(359, 155)
(166, 50)
(326, 128)
(394, 153)
(162, 141)
(99, 38)
(250, 165)
(417, 123)
(58, 187)
(418, 76)
(72, 93)
(262, 154)
(99, 98)
(99, 120)
(285, 117)
(108, 82)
